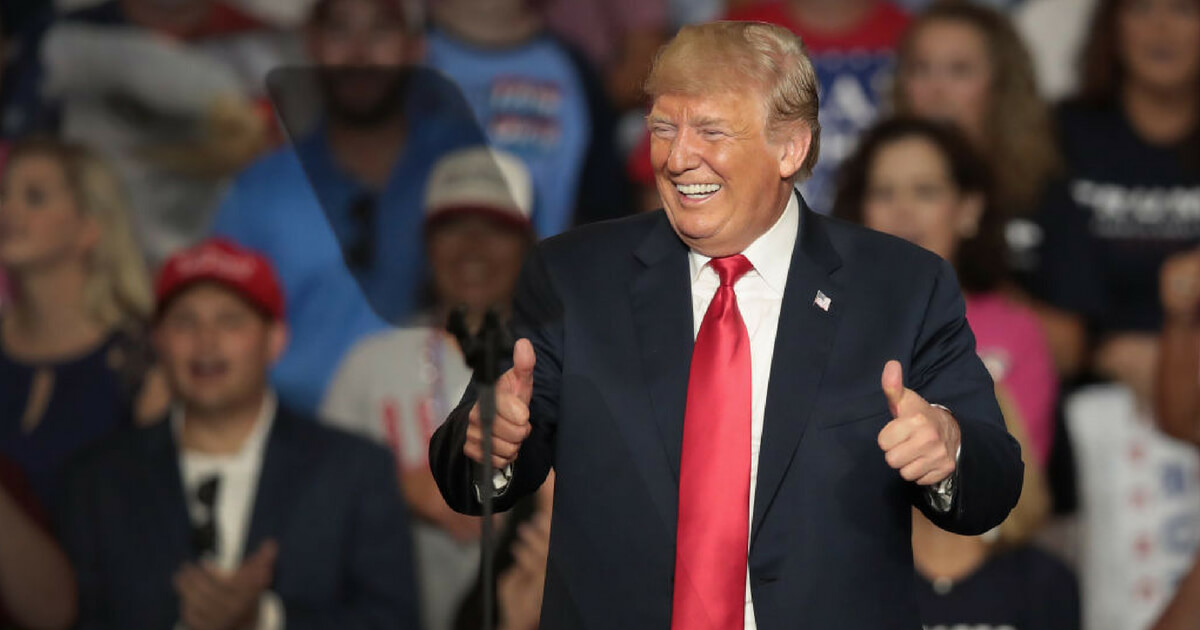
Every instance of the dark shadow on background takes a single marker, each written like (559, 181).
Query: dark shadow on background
(367, 139)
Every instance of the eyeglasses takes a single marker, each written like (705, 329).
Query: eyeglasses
(360, 252)
(204, 533)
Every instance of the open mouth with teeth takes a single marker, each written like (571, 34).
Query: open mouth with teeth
(697, 192)
(206, 369)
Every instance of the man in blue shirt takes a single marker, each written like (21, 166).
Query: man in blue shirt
(526, 91)
(339, 214)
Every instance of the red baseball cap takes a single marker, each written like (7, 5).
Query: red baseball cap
(219, 260)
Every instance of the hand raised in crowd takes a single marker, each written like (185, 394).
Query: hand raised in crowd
(214, 600)
(519, 589)
(1179, 286)
(513, 393)
(921, 440)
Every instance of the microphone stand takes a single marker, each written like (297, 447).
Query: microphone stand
(483, 351)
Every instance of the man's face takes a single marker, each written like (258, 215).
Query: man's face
(216, 349)
(722, 180)
(361, 33)
(361, 48)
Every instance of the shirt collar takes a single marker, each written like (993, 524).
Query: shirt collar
(255, 441)
(771, 253)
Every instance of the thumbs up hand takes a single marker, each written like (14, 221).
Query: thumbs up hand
(921, 440)
(513, 393)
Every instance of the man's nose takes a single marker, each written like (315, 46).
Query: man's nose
(684, 155)
(205, 336)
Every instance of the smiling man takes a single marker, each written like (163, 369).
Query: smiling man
(234, 513)
(741, 399)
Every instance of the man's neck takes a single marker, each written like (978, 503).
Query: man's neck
(368, 153)
(737, 247)
(220, 432)
(1161, 116)
(488, 26)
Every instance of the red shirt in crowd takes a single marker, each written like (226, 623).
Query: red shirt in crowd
(879, 30)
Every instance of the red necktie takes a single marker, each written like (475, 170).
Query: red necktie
(714, 478)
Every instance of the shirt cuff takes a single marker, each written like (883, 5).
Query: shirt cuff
(270, 612)
(501, 480)
(941, 494)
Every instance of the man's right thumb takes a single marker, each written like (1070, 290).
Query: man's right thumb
(523, 362)
(892, 381)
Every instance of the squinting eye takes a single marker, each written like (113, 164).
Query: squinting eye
(712, 134)
(663, 131)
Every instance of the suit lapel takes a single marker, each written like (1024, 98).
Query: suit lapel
(278, 483)
(802, 346)
(170, 522)
(661, 298)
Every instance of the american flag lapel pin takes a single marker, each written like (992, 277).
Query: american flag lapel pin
(822, 301)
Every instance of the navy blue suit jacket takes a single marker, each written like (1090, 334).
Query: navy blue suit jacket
(329, 499)
(608, 309)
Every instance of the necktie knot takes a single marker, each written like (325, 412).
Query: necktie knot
(730, 268)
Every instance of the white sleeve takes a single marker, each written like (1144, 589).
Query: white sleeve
(270, 612)
(88, 61)
(343, 404)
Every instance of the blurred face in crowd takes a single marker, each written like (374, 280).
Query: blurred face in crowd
(1160, 43)
(475, 260)
(360, 46)
(361, 33)
(216, 348)
(910, 194)
(40, 223)
(948, 75)
(723, 178)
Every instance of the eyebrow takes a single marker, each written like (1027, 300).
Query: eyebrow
(703, 121)
(708, 121)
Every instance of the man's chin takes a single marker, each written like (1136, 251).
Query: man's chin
(695, 225)
(208, 404)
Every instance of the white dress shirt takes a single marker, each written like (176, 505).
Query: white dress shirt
(239, 475)
(760, 298)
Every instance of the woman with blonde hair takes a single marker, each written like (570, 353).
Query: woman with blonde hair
(73, 359)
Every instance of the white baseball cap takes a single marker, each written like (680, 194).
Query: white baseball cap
(480, 180)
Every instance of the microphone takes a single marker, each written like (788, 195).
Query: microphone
(482, 351)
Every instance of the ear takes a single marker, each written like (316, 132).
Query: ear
(277, 340)
(793, 148)
(970, 213)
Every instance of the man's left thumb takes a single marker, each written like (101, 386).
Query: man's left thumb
(893, 385)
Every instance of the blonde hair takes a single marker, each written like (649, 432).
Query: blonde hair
(726, 56)
(117, 292)
(1017, 128)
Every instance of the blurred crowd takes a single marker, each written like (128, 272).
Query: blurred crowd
(232, 232)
